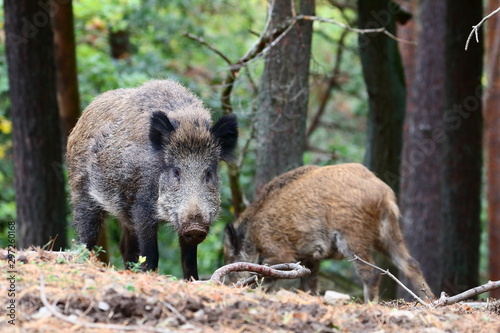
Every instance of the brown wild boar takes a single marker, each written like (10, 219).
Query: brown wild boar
(148, 155)
(314, 213)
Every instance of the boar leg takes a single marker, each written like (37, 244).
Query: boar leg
(129, 246)
(145, 229)
(88, 218)
(369, 275)
(147, 237)
(188, 259)
(349, 246)
(310, 283)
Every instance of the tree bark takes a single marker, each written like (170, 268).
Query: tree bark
(68, 99)
(462, 149)
(492, 139)
(385, 83)
(39, 182)
(420, 197)
(281, 119)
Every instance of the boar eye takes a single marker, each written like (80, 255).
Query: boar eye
(177, 173)
(208, 175)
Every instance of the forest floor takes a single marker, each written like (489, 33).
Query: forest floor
(54, 294)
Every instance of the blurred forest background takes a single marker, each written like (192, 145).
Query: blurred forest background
(306, 90)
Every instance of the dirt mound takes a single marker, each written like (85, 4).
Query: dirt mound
(83, 296)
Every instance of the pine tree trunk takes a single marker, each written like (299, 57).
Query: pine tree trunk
(384, 78)
(39, 182)
(423, 138)
(462, 149)
(68, 98)
(492, 136)
(284, 96)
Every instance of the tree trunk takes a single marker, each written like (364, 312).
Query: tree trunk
(408, 51)
(384, 79)
(39, 182)
(284, 96)
(462, 149)
(420, 170)
(68, 98)
(492, 115)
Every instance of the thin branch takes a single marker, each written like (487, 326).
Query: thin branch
(280, 271)
(213, 48)
(175, 311)
(73, 321)
(394, 278)
(332, 82)
(475, 28)
(443, 300)
(356, 30)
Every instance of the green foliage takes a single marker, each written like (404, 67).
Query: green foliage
(159, 49)
(136, 267)
(7, 200)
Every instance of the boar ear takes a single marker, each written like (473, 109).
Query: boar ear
(232, 238)
(160, 130)
(225, 132)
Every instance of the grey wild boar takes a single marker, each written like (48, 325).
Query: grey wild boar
(148, 155)
(314, 213)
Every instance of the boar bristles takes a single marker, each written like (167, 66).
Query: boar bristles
(273, 187)
(160, 130)
(226, 133)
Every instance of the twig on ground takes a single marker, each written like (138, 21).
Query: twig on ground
(280, 271)
(175, 311)
(74, 321)
(475, 28)
(443, 300)
(395, 279)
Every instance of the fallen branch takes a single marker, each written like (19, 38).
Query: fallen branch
(175, 311)
(443, 300)
(475, 28)
(280, 271)
(386, 271)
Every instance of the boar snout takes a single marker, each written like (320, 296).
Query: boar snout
(195, 229)
(195, 236)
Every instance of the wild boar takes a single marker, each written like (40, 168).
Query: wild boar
(148, 155)
(314, 213)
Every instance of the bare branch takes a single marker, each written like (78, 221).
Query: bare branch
(356, 30)
(175, 311)
(213, 48)
(394, 278)
(280, 271)
(475, 28)
(332, 82)
(443, 300)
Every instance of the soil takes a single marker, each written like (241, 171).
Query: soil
(82, 295)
